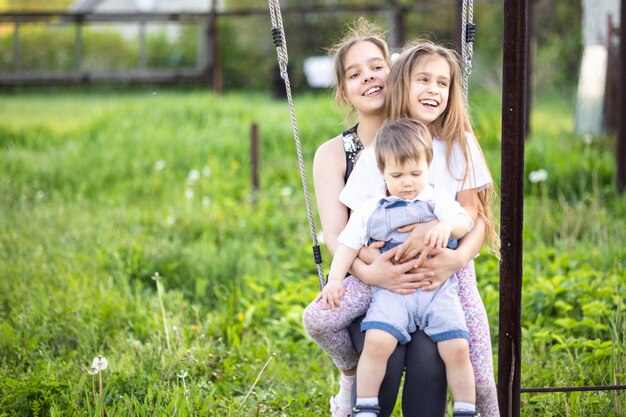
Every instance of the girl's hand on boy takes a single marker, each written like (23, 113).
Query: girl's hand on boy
(331, 294)
(385, 273)
(414, 243)
(437, 267)
(368, 254)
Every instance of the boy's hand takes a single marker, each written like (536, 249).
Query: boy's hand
(437, 236)
(331, 294)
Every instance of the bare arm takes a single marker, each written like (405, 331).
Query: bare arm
(414, 244)
(329, 168)
(438, 264)
(333, 290)
(438, 235)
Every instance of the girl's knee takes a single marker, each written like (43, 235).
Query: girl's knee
(311, 319)
(319, 321)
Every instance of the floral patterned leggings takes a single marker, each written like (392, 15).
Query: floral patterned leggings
(329, 330)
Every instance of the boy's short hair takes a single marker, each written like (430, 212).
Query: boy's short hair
(403, 139)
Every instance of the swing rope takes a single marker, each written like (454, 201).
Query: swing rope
(468, 33)
(283, 58)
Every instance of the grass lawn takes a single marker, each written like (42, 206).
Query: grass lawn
(129, 229)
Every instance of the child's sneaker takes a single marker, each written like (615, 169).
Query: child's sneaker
(338, 410)
(366, 408)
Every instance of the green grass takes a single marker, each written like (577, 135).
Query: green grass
(100, 191)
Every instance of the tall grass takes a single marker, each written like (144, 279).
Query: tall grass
(98, 192)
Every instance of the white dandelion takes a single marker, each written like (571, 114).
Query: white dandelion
(540, 175)
(286, 191)
(159, 165)
(193, 176)
(100, 363)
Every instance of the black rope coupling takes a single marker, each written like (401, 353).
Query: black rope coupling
(470, 32)
(317, 254)
(277, 36)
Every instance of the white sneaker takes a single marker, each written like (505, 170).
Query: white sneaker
(337, 410)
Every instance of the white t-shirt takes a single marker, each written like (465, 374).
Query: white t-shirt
(366, 179)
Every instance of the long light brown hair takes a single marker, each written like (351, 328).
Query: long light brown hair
(452, 126)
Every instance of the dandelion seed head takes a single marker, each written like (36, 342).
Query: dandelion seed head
(193, 176)
(40, 195)
(170, 221)
(92, 370)
(539, 175)
(189, 193)
(159, 165)
(286, 191)
(206, 201)
(100, 363)
(588, 138)
(182, 374)
(156, 276)
(206, 171)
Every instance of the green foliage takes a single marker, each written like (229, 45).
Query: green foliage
(558, 43)
(100, 191)
(52, 48)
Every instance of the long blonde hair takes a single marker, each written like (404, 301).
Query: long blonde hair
(452, 126)
(361, 30)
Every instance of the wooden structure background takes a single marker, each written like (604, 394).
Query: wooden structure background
(208, 68)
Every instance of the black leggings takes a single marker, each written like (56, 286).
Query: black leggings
(425, 386)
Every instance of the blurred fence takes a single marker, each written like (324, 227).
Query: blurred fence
(73, 65)
(75, 42)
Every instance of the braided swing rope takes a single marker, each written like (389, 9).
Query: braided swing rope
(283, 58)
(468, 33)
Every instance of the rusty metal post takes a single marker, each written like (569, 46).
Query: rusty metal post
(529, 67)
(512, 206)
(621, 136)
(254, 156)
(458, 23)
